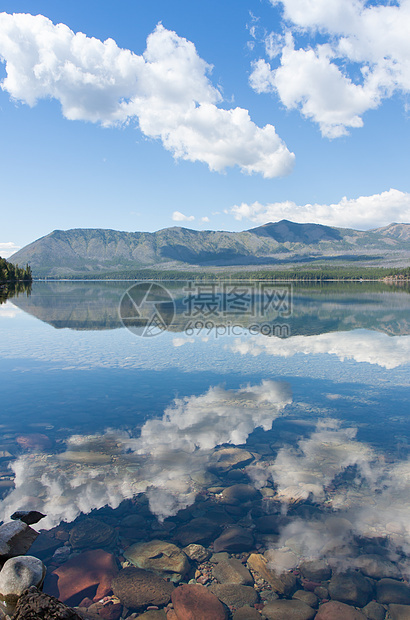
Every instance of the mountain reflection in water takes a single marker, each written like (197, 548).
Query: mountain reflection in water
(315, 310)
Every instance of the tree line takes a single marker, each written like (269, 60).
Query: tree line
(10, 273)
(318, 274)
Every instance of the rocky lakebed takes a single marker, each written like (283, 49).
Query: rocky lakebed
(223, 557)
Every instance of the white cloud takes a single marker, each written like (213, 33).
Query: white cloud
(205, 219)
(375, 504)
(216, 417)
(181, 340)
(362, 213)
(7, 311)
(8, 248)
(360, 345)
(177, 216)
(364, 59)
(166, 89)
(317, 461)
(161, 461)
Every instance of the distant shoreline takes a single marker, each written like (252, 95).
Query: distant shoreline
(357, 279)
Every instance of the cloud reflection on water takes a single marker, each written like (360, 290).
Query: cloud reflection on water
(373, 502)
(360, 345)
(105, 469)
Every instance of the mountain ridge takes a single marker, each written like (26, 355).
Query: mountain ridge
(91, 251)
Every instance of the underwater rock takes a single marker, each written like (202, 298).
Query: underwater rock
(374, 611)
(315, 570)
(377, 567)
(399, 612)
(239, 494)
(232, 571)
(198, 553)
(91, 533)
(351, 588)
(291, 610)
(229, 458)
(160, 557)
(307, 597)
(200, 531)
(284, 583)
(234, 594)
(393, 591)
(36, 605)
(196, 602)
(34, 441)
(246, 613)
(234, 539)
(87, 574)
(136, 588)
(45, 545)
(334, 610)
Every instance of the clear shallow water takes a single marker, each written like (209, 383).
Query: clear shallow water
(93, 414)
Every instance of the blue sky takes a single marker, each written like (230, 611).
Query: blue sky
(232, 114)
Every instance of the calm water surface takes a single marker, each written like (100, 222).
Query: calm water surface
(93, 414)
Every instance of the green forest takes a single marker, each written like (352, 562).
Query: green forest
(10, 274)
(318, 274)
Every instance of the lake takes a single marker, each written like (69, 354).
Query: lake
(158, 397)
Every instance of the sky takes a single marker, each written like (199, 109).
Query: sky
(144, 114)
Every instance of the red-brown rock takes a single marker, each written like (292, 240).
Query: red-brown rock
(338, 611)
(88, 574)
(108, 611)
(34, 441)
(196, 602)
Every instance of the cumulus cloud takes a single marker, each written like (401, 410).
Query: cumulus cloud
(8, 248)
(389, 513)
(167, 90)
(216, 417)
(162, 461)
(361, 345)
(177, 216)
(309, 469)
(7, 311)
(362, 213)
(374, 504)
(363, 58)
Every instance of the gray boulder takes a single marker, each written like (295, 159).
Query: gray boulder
(16, 538)
(399, 612)
(378, 567)
(160, 557)
(393, 591)
(315, 570)
(19, 574)
(291, 610)
(374, 611)
(351, 588)
(232, 571)
(233, 594)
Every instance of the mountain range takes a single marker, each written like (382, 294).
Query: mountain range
(88, 251)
